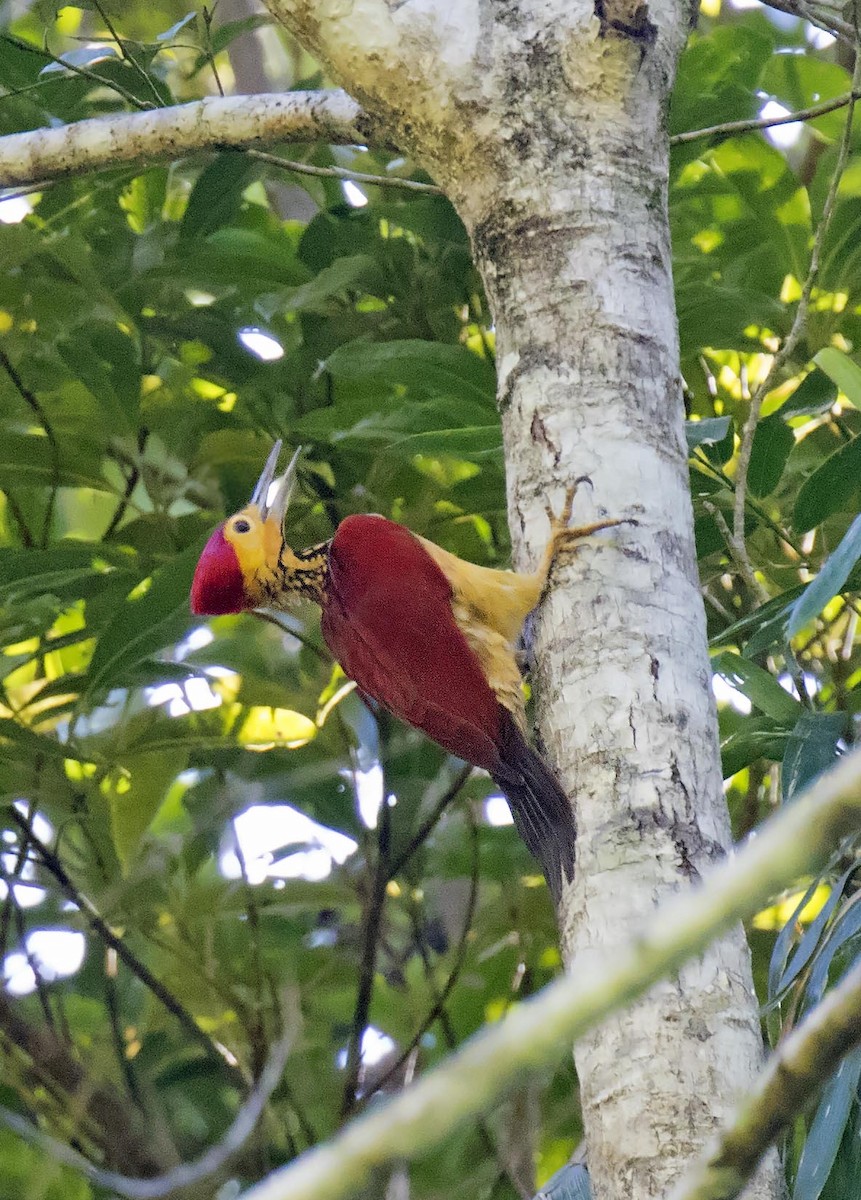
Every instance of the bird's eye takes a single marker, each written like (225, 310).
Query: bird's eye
(241, 526)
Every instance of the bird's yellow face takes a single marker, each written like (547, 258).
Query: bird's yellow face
(243, 551)
(256, 542)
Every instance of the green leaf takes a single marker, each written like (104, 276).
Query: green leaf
(706, 432)
(757, 737)
(761, 689)
(814, 395)
(840, 368)
(230, 30)
(783, 977)
(830, 580)
(105, 361)
(357, 273)
(830, 488)
(22, 742)
(473, 443)
(26, 573)
(773, 441)
(425, 366)
(811, 748)
(826, 1132)
(135, 793)
(27, 460)
(217, 195)
(763, 628)
(147, 625)
(840, 937)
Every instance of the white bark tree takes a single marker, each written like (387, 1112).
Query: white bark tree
(544, 122)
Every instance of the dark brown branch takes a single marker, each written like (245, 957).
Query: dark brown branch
(180, 1178)
(427, 827)
(138, 968)
(125, 1140)
(32, 401)
(370, 943)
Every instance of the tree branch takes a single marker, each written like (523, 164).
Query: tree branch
(796, 842)
(138, 968)
(817, 15)
(180, 1178)
(793, 1076)
(235, 122)
(300, 168)
(372, 924)
(731, 127)
(123, 1135)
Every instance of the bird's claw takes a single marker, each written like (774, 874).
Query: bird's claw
(569, 537)
(559, 521)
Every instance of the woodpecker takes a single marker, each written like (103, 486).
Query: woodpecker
(428, 636)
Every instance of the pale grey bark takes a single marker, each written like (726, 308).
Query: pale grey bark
(236, 121)
(545, 123)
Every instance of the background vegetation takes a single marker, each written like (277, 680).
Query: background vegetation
(166, 917)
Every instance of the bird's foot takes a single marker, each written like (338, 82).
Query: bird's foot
(564, 537)
(559, 521)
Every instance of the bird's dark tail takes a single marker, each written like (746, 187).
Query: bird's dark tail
(540, 808)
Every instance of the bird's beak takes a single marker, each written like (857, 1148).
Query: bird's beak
(275, 505)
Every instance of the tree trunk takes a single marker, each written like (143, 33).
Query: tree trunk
(545, 124)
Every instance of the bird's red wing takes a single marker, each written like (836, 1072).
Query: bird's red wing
(387, 618)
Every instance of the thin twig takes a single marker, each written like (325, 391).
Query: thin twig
(206, 16)
(370, 945)
(731, 127)
(426, 828)
(115, 1127)
(830, 23)
(392, 181)
(795, 1073)
(208, 1165)
(85, 72)
(32, 401)
(129, 58)
(439, 997)
(742, 562)
(138, 968)
(791, 340)
(112, 1005)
